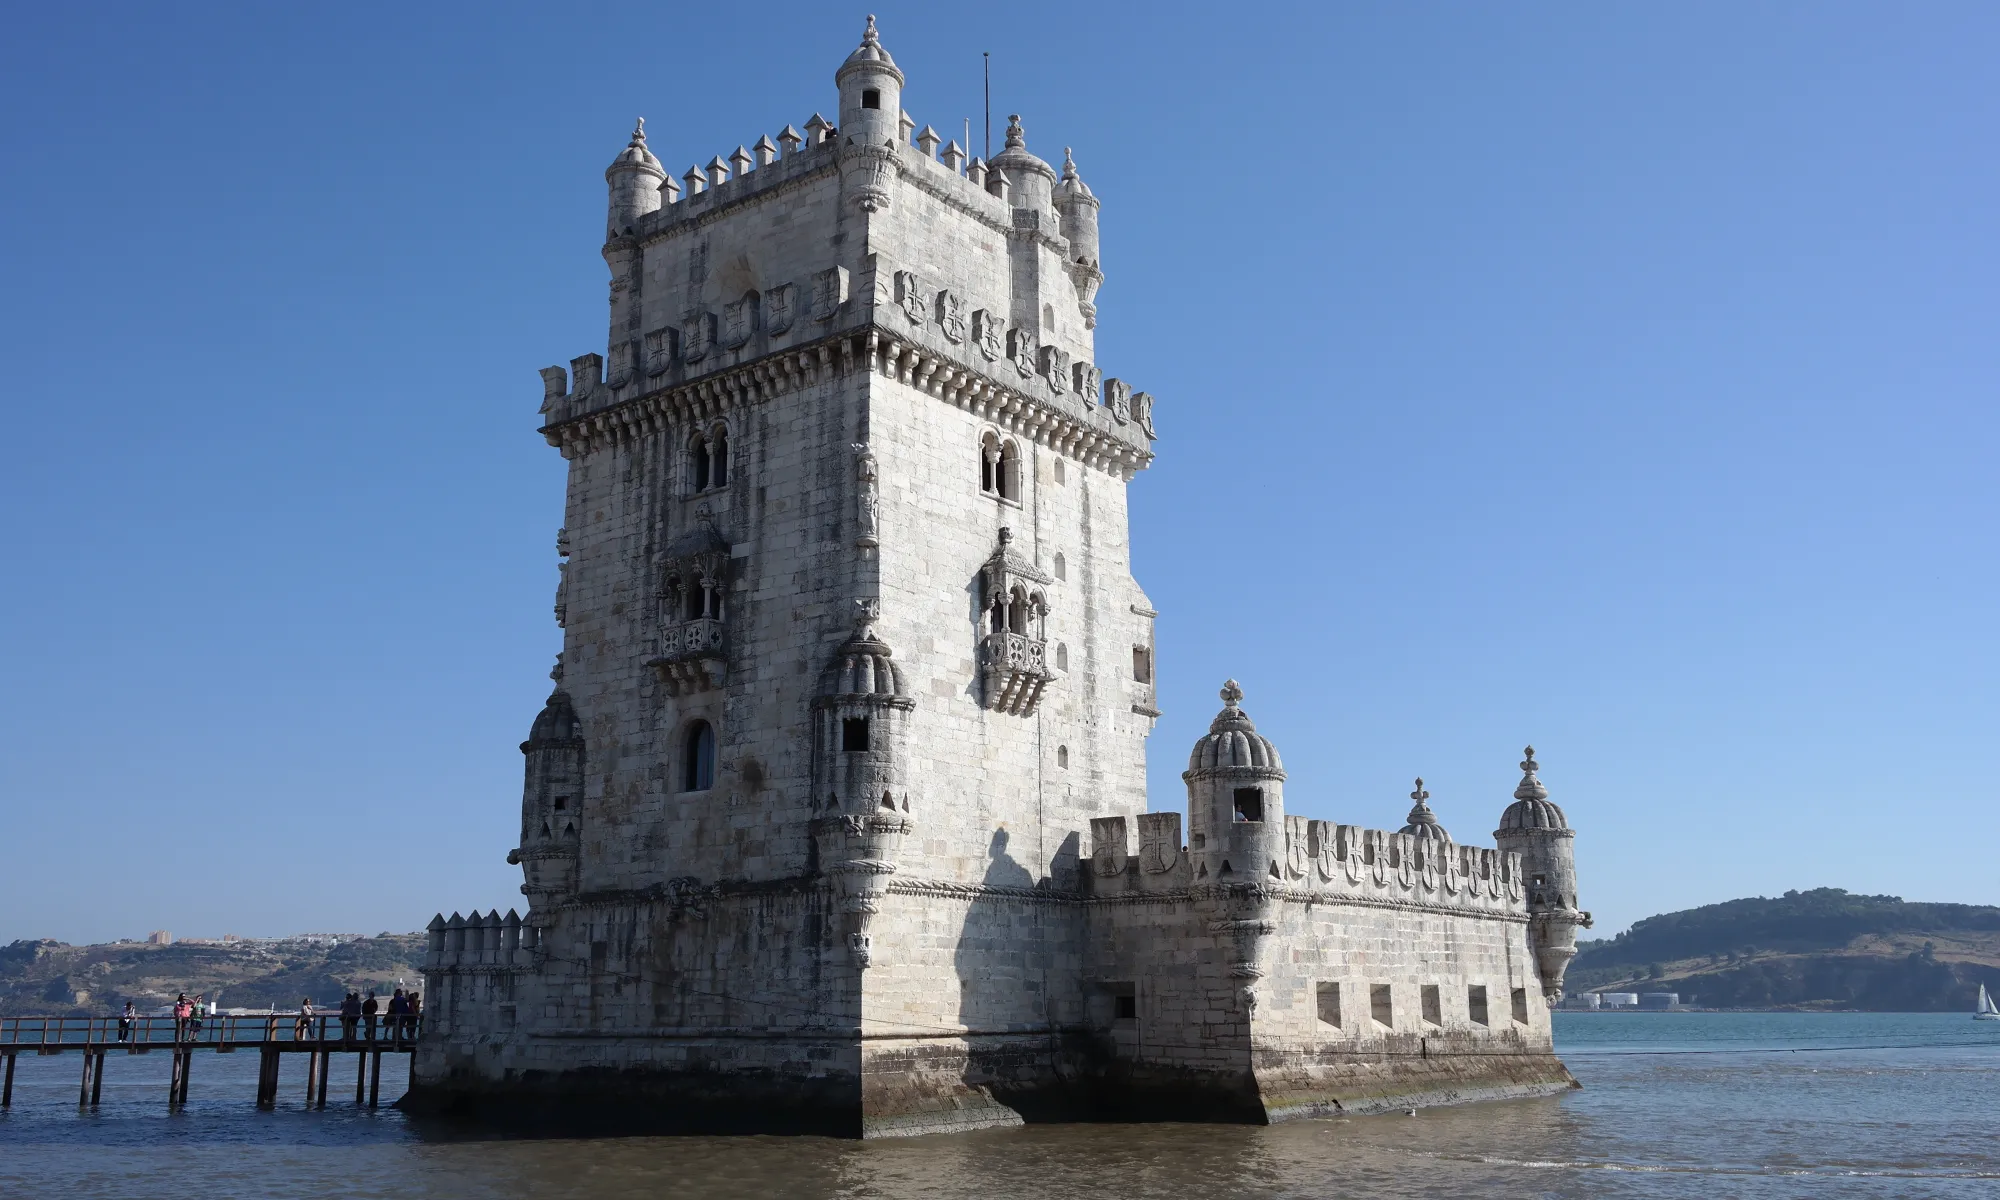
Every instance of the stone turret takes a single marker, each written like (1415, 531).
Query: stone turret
(861, 778)
(1079, 227)
(1236, 800)
(551, 795)
(1422, 823)
(871, 113)
(1534, 827)
(634, 178)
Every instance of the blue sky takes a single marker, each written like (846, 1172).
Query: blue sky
(1617, 378)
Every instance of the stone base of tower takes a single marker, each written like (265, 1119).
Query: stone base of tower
(1326, 1086)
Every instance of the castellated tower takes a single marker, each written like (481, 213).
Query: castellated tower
(854, 661)
(1536, 829)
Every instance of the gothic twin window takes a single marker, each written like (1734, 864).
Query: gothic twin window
(1000, 467)
(1018, 611)
(695, 599)
(708, 459)
(698, 758)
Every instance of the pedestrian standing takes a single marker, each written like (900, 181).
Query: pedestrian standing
(414, 1022)
(399, 1008)
(369, 1008)
(350, 1015)
(125, 1020)
(181, 1010)
(302, 1030)
(194, 1015)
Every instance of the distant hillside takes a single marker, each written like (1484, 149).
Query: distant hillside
(1824, 949)
(47, 978)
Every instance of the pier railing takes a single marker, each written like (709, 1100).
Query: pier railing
(272, 1035)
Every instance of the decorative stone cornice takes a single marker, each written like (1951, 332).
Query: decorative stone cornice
(789, 370)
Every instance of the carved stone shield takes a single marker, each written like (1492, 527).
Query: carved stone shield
(910, 297)
(1107, 846)
(1142, 412)
(1087, 381)
(662, 346)
(1159, 842)
(989, 334)
(697, 335)
(829, 293)
(780, 309)
(951, 316)
(1298, 851)
(1325, 853)
(624, 363)
(739, 321)
(1118, 398)
(1024, 350)
(1055, 368)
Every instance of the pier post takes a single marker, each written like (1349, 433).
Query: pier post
(361, 1077)
(174, 1080)
(325, 1070)
(312, 1075)
(7, 1088)
(83, 1093)
(375, 1079)
(187, 1068)
(267, 1079)
(97, 1080)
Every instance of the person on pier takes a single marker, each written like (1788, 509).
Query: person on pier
(350, 1015)
(125, 1020)
(303, 1029)
(369, 1008)
(399, 1010)
(182, 1013)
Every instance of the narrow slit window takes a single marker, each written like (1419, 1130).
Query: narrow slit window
(1433, 1005)
(1380, 1005)
(1062, 656)
(700, 455)
(1521, 1005)
(698, 773)
(1142, 664)
(1475, 1004)
(720, 472)
(1062, 757)
(854, 735)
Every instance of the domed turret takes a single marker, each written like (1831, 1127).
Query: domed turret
(1030, 181)
(555, 724)
(871, 92)
(1423, 823)
(551, 802)
(634, 178)
(862, 667)
(863, 707)
(1079, 227)
(1536, 829)
(1236, 805)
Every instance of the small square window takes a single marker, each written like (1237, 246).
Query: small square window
(854, 735)
(1433, 1005)
(1249, 804)
(562, 802)
(1329, 1004)
(871, 98)
(1380, 1006)
(1126, 1008)
(1475, 1003)
(1521, 1005)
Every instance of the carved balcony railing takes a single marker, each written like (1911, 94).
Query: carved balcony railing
(691, 656)
(1015, 669)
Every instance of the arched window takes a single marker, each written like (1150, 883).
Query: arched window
(989, 464)
(1062, 566)
(1008, 481)
(1062, 476)
(1062, 656)
(1062, 757)
(718, 449)
(1017, 611)
(698, 769)
(1048, 316)
(708, 459)
(698, 456)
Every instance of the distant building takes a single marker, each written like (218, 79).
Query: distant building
(1620, 999)
(160, 937)
(1589, 1000)
(1660, 1000)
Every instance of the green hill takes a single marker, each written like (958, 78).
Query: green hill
(49, 978)
(1819, 949)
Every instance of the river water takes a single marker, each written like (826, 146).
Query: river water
(1673, 1105)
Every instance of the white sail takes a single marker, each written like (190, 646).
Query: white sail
(1986, 1010)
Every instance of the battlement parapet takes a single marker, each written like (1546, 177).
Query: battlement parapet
(1323, 861)
(481, 943)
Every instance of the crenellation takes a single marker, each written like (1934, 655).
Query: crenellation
(836, 817)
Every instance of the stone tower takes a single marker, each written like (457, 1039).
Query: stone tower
(1535, 828)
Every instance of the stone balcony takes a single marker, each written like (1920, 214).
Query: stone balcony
(692, 657)
(1015, 669)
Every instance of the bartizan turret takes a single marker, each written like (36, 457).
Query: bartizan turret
(551, 793)
(870, 129)
(1079, 227)
(1236, 838)
(1535, 828)
(634, 179)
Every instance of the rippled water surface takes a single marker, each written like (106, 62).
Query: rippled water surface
(1737, 1105)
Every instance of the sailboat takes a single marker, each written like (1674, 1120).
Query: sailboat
(1986, 1011)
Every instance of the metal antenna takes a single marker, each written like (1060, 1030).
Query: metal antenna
(988, 56)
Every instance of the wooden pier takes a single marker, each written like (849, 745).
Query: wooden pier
(271, 1036)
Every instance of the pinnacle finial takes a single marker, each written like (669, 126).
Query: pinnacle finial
(869, 36)
(1016, 138)
(639, 135)
(1232, 694)
(1420, 795)
(1531, 788)
(1069, 164)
